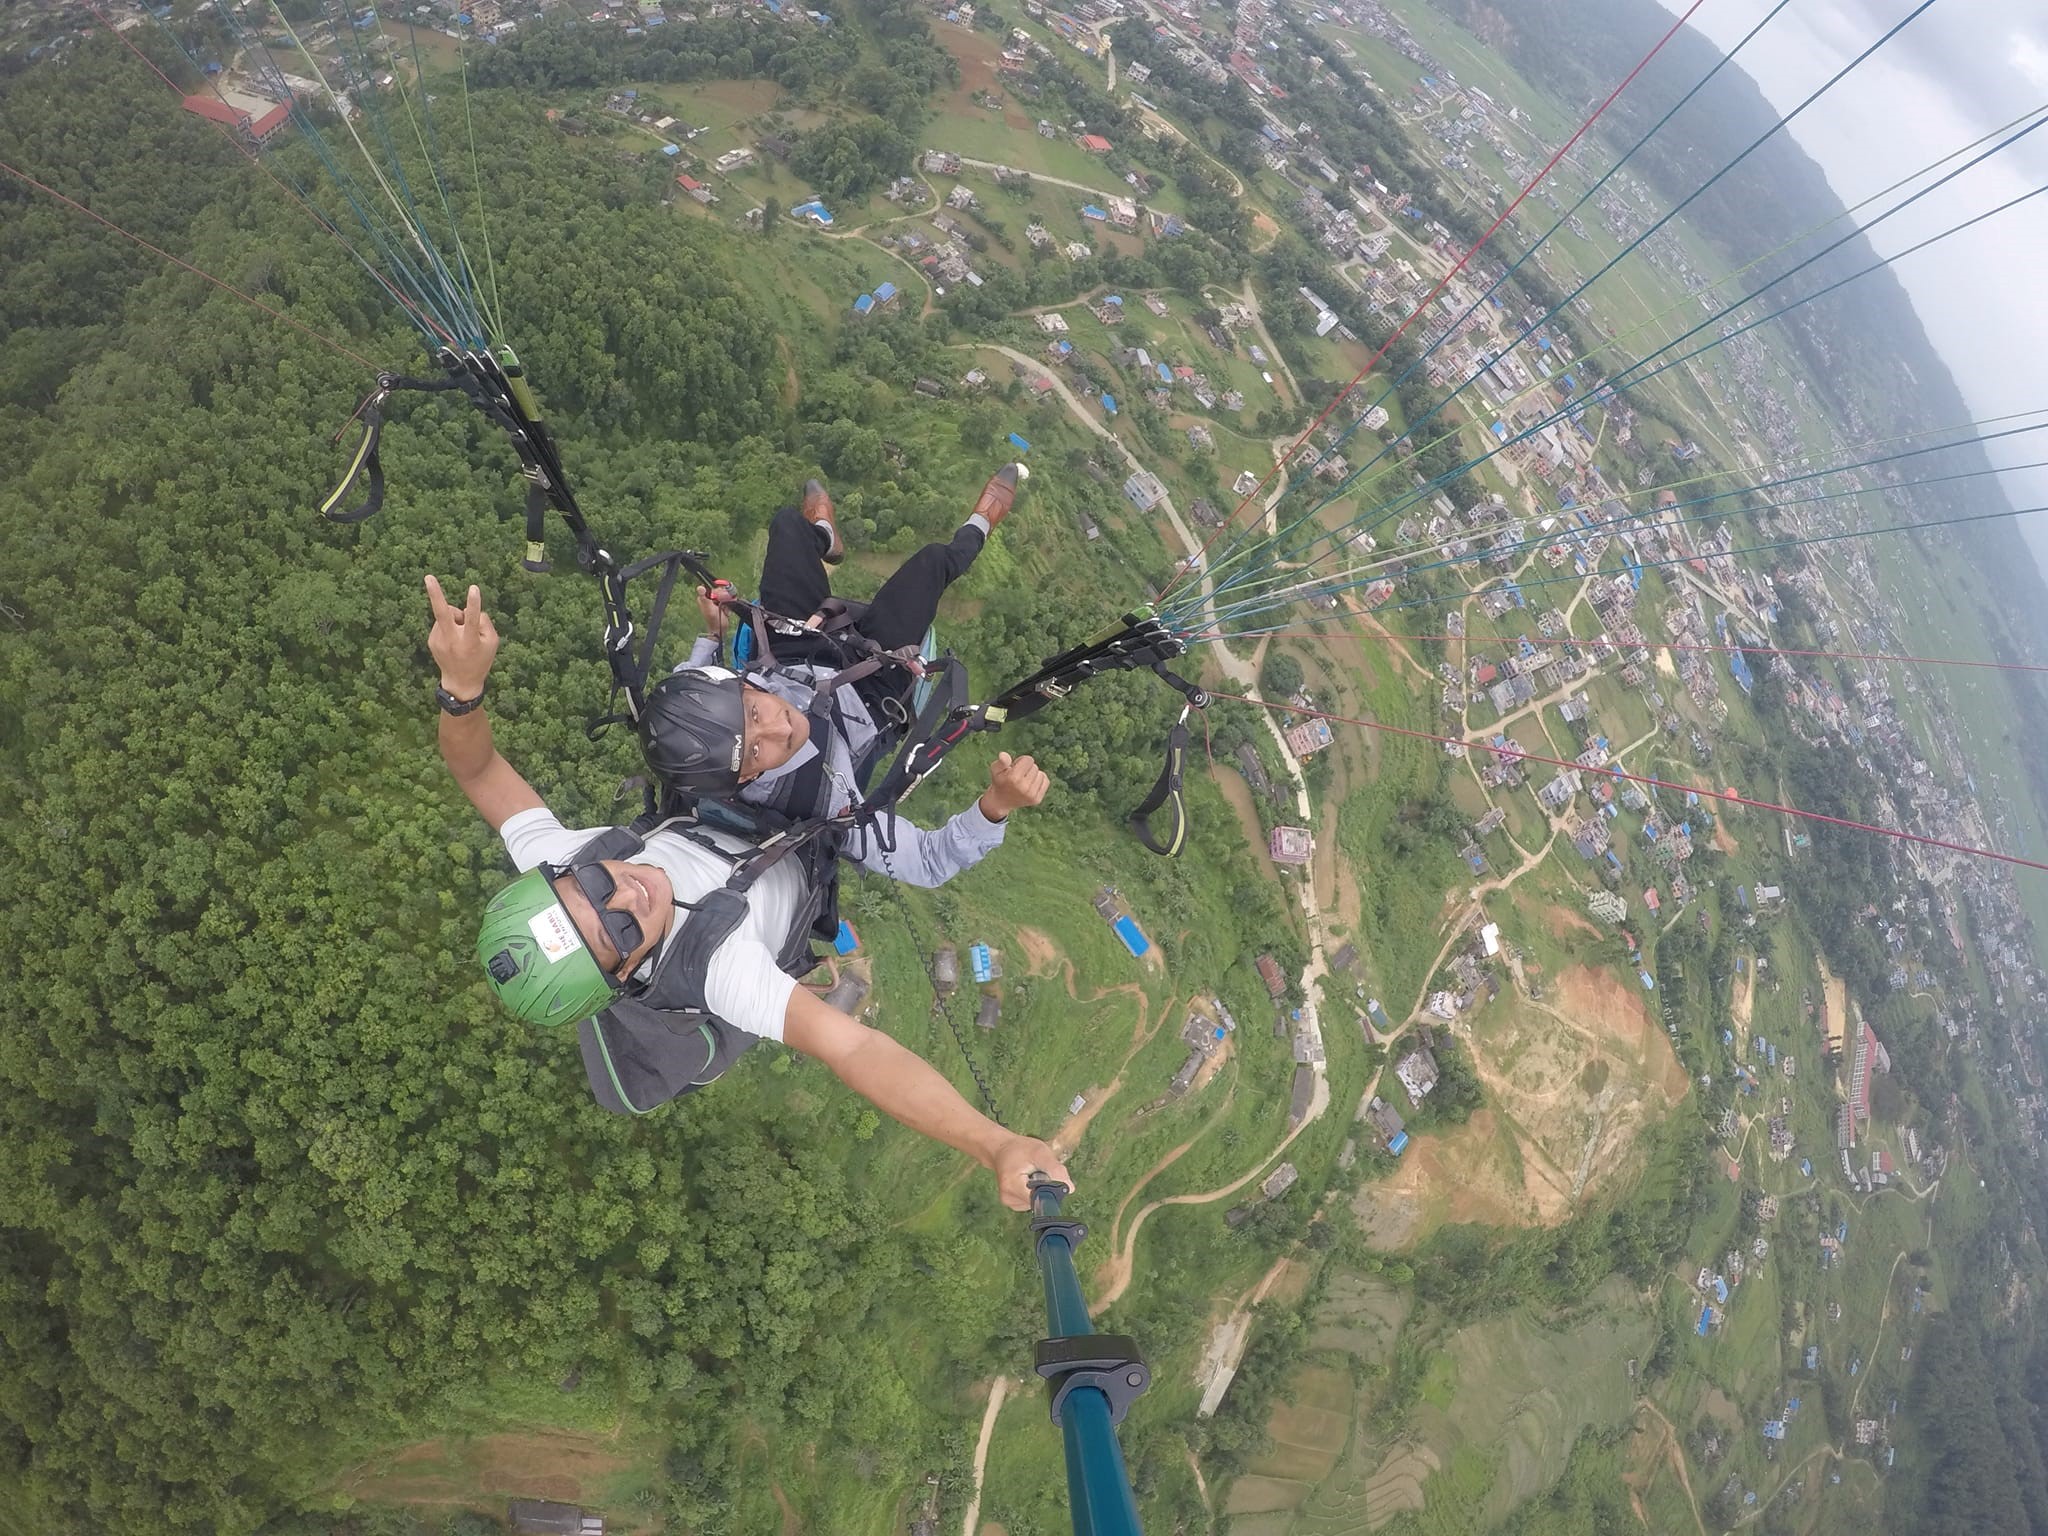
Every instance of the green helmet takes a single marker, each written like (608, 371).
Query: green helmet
(536, 961)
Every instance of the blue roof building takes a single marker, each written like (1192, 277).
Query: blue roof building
(983, 963)
(1133, 936)
(813, 210)
(864, 303)
(1019, 444)
(671, 150)
(1090, 211)
(1399, 1144)
(1109, 403)
(884, 292)
(1165, 373)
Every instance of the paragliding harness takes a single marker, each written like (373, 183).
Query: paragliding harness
(660, 1040)
(941, 717)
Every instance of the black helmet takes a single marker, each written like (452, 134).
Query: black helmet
(692, 730)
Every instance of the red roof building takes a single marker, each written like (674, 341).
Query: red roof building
(1094, 143)
(1269, 973)
(1652, 900)
(260, 120)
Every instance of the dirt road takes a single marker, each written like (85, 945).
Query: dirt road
(998, 1390)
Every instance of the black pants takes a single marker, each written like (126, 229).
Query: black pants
(795, 583)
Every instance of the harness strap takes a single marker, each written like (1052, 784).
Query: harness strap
(366, 459)
(1166, 795)
(945, 721)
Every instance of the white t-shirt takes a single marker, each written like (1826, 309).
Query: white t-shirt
(743, 985)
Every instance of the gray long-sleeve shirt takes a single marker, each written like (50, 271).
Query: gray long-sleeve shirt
(922, 857)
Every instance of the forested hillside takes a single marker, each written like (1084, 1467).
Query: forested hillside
(282, 1186)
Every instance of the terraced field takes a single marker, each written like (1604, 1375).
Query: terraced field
(1500, 1406)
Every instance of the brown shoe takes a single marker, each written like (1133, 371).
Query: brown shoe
(817, 510)
(996, 497)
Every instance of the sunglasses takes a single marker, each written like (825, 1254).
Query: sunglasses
(598, 888)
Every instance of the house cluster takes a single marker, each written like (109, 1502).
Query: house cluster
(1204, 1034)
(940, 255)
(1161, 378)
(985, 967)
(884, 297)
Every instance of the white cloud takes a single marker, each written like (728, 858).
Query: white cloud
(1932, 89)
(2030, 58)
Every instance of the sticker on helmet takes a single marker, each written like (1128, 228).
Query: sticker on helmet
(554, 933)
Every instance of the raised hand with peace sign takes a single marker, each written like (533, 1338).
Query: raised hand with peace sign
(464, 641)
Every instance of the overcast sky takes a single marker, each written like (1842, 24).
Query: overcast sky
(1955, 73)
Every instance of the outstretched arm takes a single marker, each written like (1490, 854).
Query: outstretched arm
(464, 642)
(907, 1088)
(931, 858)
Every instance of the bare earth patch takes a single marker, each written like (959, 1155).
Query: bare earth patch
(1467, 1174)
(1041, 955)
(1569, 1089)
(1563, 921)
(557, 1465)
(1743, 1004)
(977, 55)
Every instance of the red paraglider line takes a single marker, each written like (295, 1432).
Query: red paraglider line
(1726, 796)
(195, 271)
(257, 160)
(1429, 298)
(1652, 645)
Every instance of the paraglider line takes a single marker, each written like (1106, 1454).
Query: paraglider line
(291, 192)
(1726, 796)
(1603, 642)
(296, 325)
(1442, 283)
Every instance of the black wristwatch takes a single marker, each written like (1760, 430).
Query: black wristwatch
(451, 705)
